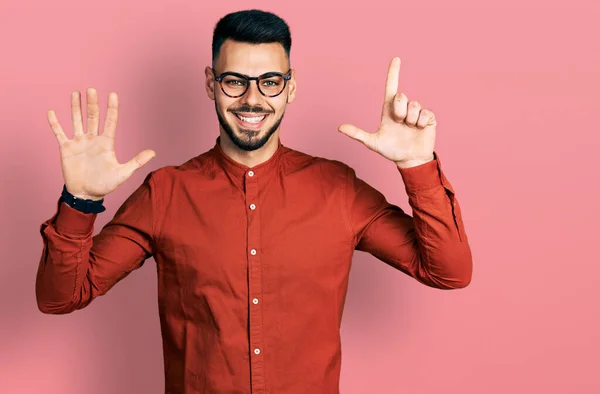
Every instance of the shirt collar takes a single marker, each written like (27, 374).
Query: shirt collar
(239, 170)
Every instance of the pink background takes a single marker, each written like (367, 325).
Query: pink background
(514, 85)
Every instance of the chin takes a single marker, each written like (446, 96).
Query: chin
(249, 137)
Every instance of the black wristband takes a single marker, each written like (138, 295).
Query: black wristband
(85, 206)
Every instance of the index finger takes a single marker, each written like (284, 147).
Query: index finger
(391, 84)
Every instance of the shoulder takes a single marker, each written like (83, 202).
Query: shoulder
(195, 166)
(295, 160)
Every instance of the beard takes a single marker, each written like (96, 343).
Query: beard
(250, 140)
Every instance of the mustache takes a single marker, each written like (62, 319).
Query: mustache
(247, 108)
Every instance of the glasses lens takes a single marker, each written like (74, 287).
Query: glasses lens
(233, 86)
(272, 85)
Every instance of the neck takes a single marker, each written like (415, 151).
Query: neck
(249, 158)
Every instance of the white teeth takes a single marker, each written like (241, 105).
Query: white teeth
(251, 120)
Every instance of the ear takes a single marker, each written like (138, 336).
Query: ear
(210, 82)
(291, 94)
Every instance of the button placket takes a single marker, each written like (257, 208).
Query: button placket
(254, 259)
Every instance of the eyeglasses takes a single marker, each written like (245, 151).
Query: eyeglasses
(235, 85)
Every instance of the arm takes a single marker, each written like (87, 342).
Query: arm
(76, 267)
(432, 246)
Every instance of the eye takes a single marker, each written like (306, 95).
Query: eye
(271, 82)
(233, 81)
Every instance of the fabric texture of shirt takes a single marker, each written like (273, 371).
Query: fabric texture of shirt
(253, 263)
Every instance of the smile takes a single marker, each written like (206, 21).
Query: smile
(250, 121)
(254, 119)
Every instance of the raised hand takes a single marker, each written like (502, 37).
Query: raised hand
(406, 134)
(89, 165)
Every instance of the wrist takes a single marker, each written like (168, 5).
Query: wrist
(82, 202)
(83, 196)
(412, 163)
(86, 197)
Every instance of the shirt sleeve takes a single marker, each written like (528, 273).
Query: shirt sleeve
(431, 246)
(76, 267)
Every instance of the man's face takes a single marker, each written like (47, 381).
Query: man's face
(238, 116)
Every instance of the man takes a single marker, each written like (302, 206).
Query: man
(253, 240)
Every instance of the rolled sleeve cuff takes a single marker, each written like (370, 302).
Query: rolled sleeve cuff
(422, 177)
(71, 221)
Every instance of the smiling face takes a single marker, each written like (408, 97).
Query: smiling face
(252, 119)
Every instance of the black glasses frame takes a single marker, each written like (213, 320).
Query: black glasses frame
(286, 77)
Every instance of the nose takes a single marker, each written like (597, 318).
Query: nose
(252, 95)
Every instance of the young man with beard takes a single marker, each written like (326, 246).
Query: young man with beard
(253, 240)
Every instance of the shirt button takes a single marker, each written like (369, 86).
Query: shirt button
(252, 206)
(255, 301)
(256, 351)
(250, 173)
(253, 252)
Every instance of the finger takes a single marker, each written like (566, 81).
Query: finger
(400, 107)
(76, 117)
(355, 133)
(58, 131)
(132, 165)
(391, 83)
(413, 113)
(110, 123)
(426, 118)
(93, 111)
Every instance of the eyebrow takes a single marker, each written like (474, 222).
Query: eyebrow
(261, 75)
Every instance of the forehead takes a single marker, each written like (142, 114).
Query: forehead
(251, 59)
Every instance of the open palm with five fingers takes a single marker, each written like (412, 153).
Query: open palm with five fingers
(89, 164)
(406, 135)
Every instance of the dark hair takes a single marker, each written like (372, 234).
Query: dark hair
(251, 26)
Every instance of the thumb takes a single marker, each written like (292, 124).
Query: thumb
(138, 161)
(355, 133)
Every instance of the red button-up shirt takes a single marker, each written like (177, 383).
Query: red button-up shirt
(253, 263)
